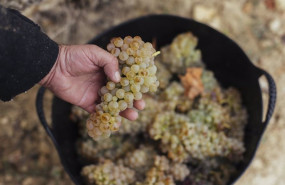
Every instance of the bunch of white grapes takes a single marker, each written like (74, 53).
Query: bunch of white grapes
(136, 64)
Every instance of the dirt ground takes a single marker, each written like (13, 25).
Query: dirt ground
(27, 156)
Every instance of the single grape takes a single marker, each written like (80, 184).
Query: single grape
(135, 68)
(128, 39)
(124, 81)
(110, 46)
(152, 70)
(135, 88)
(146, 61)
(138, 60)
(125, 70)
(105, 108)
(128, 97)
(115, 52)
(152, 88)
(118, 42)
(115, 98)
(130, 51)
(124, 47)
(147, 45)
(130, 60)
(113, 92)
(114, 127)
(113, 105)
(104, 90)
(137, 95)
(137, 38)
(144, 89)
(105, 117)
(130, 75)
(138, 80)
(107, 97)
(118, 119)
(98, 108)
(120, 93)
(148, 81)
(123, 56)
(127, 88)
(110, 85)
(122, 105)
(143, 65)
(130, 104)
(135, 45)
(143, 72)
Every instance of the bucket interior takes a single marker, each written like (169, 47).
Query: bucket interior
(220, 54)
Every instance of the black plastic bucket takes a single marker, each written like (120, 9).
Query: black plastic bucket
(220, 54)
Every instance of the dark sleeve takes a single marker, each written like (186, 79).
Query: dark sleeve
(26, 53)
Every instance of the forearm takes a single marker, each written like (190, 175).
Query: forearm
(26, 54)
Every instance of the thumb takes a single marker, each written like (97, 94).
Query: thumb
(105, 60)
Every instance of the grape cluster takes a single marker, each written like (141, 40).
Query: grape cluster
(79, 115)
(179, 171)
(208, 80)
(163, 75)
(136, 63)
(140, 160)
(239, 117)
(112, 148)
(108, 173)
(165, 172)
(149, 167)
(158, 174)
(211, 113)
(145, 117)
(182, 139)
(173, 96)
(182, 53)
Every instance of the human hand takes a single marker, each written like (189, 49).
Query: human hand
(79, 73)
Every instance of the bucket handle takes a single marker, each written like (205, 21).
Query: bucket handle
(272, 98)
(41, 114)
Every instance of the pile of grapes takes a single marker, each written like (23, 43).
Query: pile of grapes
(191, 129)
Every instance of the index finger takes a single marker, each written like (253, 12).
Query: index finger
(102, 58)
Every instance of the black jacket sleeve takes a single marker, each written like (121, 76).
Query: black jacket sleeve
(26, 53)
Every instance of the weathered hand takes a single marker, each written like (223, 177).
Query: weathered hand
(79, 73)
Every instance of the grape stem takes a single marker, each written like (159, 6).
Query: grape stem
(155, 54)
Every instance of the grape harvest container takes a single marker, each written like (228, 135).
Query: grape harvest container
(223, 56)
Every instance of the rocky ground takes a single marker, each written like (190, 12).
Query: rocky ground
(27, 156)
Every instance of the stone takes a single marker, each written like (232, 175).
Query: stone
(216, 22)
(204, 13)
(274, 25)
(15, 157)
(247, 7)
(4, 120)
(44, 148)
(280, 5)
(24, 124)
(28, 181)
(8, 177)
(257, 164)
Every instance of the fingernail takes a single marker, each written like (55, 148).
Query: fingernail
(117, 76)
